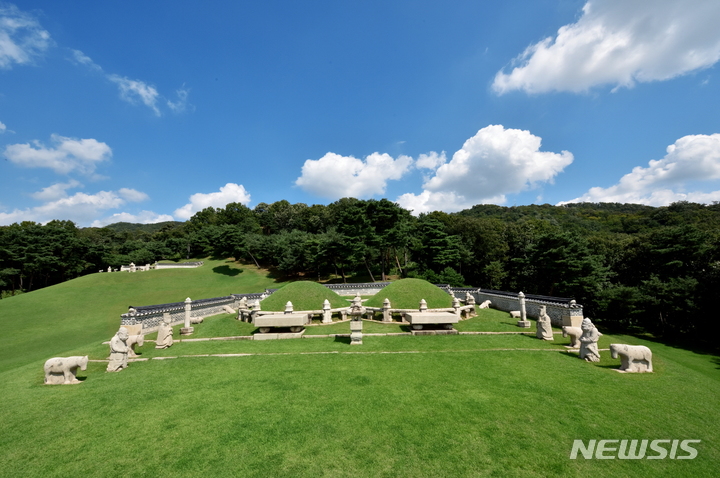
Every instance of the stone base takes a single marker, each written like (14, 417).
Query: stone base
(187, 330)
(279, 335)
(59, 379)
(525, 324)
(435, 332)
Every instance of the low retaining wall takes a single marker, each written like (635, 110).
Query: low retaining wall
(368, 288)
(151, 316)
(178, 265)
(560, 309)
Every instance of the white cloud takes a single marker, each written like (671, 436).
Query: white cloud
(80, 207)
(181, 104)
(231, 192)
(134, 90)
(21, 37)
(56, 191)
(428, 201)
(691, 158)
(619, 42)
(68, 155)
(432, 160)
(334, 176)
(493, 163)
(3, 128)
(132, 195)
(144, 217)
(81, 58)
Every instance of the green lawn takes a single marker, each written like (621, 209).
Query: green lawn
(49, 322)
(304, 295)
(425, 406)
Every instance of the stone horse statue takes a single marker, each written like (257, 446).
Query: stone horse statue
(62, 370)
(575, 333)
(633, 358)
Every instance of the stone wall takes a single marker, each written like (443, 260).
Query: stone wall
(556, 307)
(178, 265)
(151, 316)
(368, 288)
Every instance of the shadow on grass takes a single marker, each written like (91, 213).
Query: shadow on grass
(342, 340)
(567, 353)
(682, 343)
(227, 270)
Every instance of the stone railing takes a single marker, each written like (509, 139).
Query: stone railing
(562, 311)
(178, 265)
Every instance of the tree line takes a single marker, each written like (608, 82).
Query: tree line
(632, 267)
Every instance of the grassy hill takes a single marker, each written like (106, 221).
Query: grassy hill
(469, 405)
(53, 320)
(407, 293)
(304, 295)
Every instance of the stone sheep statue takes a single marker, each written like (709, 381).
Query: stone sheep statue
(63, 370)
(485, 305)
(515, 314)
(574, 333)
(633, 358)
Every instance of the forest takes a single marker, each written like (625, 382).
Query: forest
(632, 267)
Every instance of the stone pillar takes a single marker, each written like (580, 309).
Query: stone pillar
(243, 312)
(423, 305)
(356, 332)
(187, 330)
(523, 322)
(387, 316)
(288, 308)
(327, 315)
(470, 300)
(456, 306)
(573, 315)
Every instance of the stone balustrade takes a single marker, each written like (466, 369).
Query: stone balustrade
(562, 311)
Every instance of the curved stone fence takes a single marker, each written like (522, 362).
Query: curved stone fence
(150, 316)
(178, 265)
(562, 311)
(368, 288)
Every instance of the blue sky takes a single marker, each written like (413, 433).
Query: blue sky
(150, 111)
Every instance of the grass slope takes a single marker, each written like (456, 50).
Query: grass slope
(50, 321)
(453, 406)
(470, 405)
(407, 293)
(304, 295)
